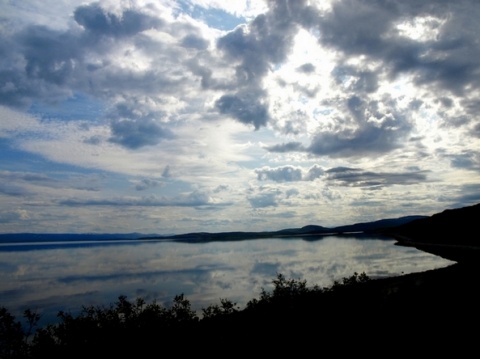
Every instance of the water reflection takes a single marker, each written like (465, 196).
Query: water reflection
(69, 276)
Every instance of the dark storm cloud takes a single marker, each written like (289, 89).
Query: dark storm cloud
(134, 134)
(353, 177)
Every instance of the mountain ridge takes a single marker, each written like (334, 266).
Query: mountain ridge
(309, 230)
(305, 231)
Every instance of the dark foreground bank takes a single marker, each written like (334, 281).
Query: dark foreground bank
(431, 311)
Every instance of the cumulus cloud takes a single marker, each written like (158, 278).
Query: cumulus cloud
(98, 22)
(281, 174)
(264, 199)
(244, 107)
(289, 174)
(438, 59)
(108, 56)
(253, 49)
(138, 133)
(178, 96)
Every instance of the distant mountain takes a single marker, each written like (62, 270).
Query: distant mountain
(416, 228)
(452, 234)
(60, 237)
(309, 231)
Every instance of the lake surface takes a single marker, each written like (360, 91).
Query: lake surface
(55, 276)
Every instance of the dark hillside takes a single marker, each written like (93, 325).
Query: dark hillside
(452, 226)
(452, 234)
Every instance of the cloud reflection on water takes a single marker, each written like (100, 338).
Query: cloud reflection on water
(67, 278)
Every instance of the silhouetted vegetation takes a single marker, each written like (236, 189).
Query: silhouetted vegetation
(351, 312)
(126, 324)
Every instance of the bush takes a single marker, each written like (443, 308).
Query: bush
(124, 325)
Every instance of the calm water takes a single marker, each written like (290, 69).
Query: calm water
(65, 276)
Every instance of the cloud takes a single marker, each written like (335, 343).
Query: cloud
(291, 193)
(263, 200)
(98, 22)
(15, 183)
(176, 96)
(372, 127)
(192, 199)
(244, 107)
(438, 59)
(135, 134)
(313, 173)
(344, 176)
(253, 49)
(355, 79)
(113, 57)
(306, 68)
(286, 147)
(469, 160)
(281, 174)
(195, 42)
(341, 176)
(289, 174)
(10, 189)
(13, 216)
(146, 183)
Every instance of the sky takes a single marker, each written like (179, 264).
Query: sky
(180, 116)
